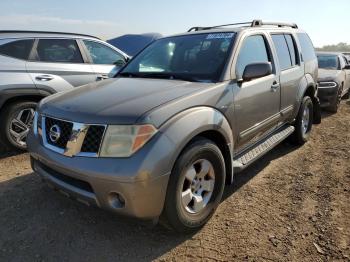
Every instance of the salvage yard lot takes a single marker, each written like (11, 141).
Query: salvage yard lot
(294, 204)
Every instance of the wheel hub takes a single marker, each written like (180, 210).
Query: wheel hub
(20, 126)
(198, 186)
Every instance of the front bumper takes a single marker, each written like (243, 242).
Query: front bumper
(125, 186)
(327, 95)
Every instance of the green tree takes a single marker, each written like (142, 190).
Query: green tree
(340, 47)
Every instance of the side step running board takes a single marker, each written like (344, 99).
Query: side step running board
(243, 160)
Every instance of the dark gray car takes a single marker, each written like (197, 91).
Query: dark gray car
(36, 64)
(333, 79)
(179, 121)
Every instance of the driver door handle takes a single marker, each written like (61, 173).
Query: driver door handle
(102, 77)
(44, 78)
(275, 86)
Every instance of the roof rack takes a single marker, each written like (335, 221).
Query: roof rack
(254, 23)
(44, 32)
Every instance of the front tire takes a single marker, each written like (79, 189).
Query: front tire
(303, 122)
(18, 118)
(334, 107)
(196, 186)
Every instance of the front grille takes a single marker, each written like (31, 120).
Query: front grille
(66, 131)
(83, 185)
(93, 139)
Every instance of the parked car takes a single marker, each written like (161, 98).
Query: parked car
(333, 79)
(347, 56)
(132, 44)
(179, 120)
(37, 64)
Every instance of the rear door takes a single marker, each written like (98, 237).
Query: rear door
(105, 60)
(57, 64)
(290, 70)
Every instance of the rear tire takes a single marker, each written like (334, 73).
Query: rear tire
(195, 187)
(18, 118)
(303, 122)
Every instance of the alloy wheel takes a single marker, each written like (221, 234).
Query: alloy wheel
(20, 125)
(198, 186)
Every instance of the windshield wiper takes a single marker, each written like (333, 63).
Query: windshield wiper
(163, 76)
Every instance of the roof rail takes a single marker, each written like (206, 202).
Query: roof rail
(254, 23)
(44, 32)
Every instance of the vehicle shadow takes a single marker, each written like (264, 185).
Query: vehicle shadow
(243, 177)
(38, 223)
(5, 153)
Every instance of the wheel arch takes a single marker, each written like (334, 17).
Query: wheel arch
(204, 122)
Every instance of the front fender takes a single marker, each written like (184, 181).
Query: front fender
(183, 127)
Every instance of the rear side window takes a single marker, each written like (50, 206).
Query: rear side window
(254, 50)
(103, 55)
(282, 51)
(59, 51)
(307, 48)
(17, 48)
(292, 49)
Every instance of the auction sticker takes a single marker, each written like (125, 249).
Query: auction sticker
(220, 36)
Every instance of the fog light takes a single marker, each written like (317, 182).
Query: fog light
(116, 200)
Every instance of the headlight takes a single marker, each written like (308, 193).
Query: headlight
(327, 84)
(123, 140)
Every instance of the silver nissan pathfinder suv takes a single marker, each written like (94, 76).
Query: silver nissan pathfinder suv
(179, 120)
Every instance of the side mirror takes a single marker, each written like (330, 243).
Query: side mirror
(120, 63)
(256, 70)
(347, 67)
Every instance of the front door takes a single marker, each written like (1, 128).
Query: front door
(257, 102)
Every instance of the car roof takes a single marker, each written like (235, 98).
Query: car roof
(35, 34)
(329, 53)
(239, 29)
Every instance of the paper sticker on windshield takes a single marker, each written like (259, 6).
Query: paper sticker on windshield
(220, 36)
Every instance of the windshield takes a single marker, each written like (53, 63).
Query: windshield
(328, 61)
(199, 57)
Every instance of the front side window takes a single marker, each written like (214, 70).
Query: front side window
(59, 51)
(16, 48)
(283, 55)
(103, 55)
(198, 57)
(254, 50)
(328, 61)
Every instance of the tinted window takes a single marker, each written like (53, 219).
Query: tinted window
(199, 57)
(17, 48)
(292, 49)
(58, 50)
(253, 51)
(307, 49)
(282, 51)
(328, 61)
(101, 54)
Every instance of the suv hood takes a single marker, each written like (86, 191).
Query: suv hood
(116, 101)
(327, 74)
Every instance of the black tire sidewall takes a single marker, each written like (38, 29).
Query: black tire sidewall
(179, 218)
(298, 137)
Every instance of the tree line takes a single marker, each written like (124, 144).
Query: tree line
(340, 47)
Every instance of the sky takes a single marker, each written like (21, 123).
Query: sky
(326, 21)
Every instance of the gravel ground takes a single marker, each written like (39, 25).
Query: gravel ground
(293, 205)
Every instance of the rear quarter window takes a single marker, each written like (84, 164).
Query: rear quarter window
(307, 48)
(16, 48)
